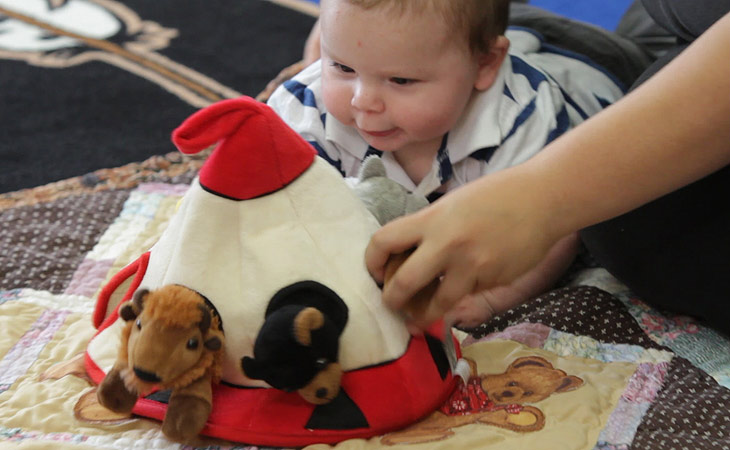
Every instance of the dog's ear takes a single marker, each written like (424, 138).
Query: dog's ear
(569, 383)
(131, 309)
(251, 368)
(530, 361)
(305, 322)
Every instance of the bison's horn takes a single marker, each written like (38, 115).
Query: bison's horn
(131, 309)
(139, 298)
(205, 319)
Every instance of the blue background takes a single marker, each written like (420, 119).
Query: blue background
(605, 13)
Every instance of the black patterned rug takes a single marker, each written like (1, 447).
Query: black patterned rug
(91, 84)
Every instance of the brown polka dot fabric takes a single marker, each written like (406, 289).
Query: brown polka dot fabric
(690, 412)
(43, 244)
(582, 310)
(46, 231)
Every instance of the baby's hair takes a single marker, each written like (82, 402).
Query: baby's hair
(482, 20)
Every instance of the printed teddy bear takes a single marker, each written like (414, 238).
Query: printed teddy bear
(493, 399)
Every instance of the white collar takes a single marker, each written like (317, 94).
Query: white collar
(480, 125)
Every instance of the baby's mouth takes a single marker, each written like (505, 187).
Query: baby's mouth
(383, 133)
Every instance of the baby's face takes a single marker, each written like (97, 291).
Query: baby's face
(401, 81)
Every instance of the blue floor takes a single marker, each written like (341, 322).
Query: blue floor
(605, 13)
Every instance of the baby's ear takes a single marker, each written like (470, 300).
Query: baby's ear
(490, 62)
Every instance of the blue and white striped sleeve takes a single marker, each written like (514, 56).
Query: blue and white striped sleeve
(586, 86)
(546, 94)
(298, 102)
(532, 113)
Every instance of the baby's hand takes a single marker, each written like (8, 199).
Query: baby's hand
(472, 311)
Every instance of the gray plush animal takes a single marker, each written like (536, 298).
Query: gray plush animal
(387, 200)
(383, 197)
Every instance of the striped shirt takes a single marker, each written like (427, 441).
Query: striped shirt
(541, 92)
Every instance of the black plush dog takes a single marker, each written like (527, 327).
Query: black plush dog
(297, 348)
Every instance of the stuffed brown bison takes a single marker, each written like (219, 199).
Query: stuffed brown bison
(173, 340)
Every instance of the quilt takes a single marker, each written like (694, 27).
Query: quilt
(585, 366)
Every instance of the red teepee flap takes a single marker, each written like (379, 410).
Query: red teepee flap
(210, 125)
(137, 269)
(257, 153)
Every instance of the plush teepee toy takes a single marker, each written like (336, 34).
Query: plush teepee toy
(274, 239)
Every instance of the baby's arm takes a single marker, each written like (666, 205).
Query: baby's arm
(480, 307)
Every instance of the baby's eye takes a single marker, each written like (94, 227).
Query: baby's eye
(342, 67)
(402, 81)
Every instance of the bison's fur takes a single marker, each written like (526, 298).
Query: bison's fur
(171, 340)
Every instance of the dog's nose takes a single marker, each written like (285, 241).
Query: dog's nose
(508, 394)
(146, 376)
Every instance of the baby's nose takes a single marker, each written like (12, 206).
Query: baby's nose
(367, 98)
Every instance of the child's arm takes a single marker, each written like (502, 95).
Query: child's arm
(669, 132)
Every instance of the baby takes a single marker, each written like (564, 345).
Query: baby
(444, 94)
